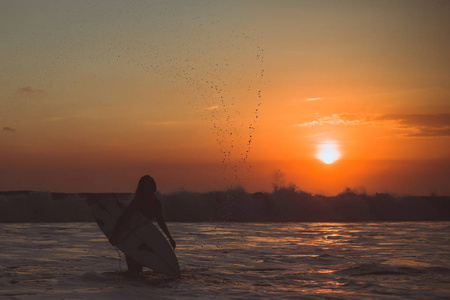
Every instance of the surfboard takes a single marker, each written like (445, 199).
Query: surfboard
(139, 238)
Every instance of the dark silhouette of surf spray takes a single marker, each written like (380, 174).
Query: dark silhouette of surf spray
(218, 71)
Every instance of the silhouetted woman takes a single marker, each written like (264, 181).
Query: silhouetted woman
(146, 203)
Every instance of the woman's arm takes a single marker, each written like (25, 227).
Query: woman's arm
(164, 228)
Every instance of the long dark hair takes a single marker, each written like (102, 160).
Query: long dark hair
(146, 188)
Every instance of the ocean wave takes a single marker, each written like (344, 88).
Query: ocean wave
(380, 269)
(285, 205)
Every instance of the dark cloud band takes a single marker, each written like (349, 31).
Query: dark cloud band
(416, 125)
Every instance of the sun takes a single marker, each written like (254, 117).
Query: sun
(328, 152)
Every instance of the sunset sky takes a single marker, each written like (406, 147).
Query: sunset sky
(204, 95)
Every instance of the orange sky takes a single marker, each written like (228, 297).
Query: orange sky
(207, 95)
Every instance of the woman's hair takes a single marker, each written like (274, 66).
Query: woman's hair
(146, 187)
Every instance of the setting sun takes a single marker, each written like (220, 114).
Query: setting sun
(328, 152)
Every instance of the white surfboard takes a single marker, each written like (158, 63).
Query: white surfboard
(139, 238)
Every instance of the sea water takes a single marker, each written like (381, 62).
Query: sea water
(233, 260)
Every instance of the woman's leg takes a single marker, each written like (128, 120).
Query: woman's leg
(134, 268)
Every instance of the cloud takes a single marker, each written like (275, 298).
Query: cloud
(29, 91)
(313, 99)
(8, 129)
(55, 119)
(335, 119)
(421, 125)
(412, 125)
(430, 132)
(428, 120)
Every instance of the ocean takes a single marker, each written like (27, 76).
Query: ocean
(380, 260)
